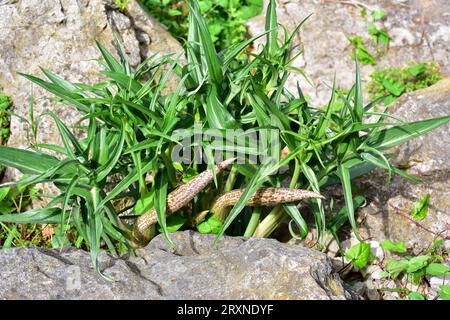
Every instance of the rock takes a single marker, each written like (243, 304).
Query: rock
(376, 250)
(360, 288)
(429, 158)
(372, 272)
(447, 245)
(373, 294)
(237, 269)
(387, 295)
(60, 36)
(420, 31)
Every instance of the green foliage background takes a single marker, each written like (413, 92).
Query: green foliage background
(224, 18)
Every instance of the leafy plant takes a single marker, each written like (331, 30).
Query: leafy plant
(377, 14)
(359, 254)
(420, 209)
(398, 247)
(133, 128)
(415, 296)
(122, 4)
(379, 37)
(406, 268)
(361, 52)
(393, 82)
(212, 225)
(5, 105)
(444, 292)
(224, 18)
(14, 200)
(417, 267)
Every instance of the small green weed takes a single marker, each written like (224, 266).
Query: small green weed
(122, 4)
(380, 38)
(362, 53)
(5, 105)
(395, 81)
(420, 209)
(415, 268)
(359, 254)
(15, 200)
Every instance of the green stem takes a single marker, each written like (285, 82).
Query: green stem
(271, 222)
(296, 175)
(229, 184)
(169, 167)
(253, 223)
(277, 215)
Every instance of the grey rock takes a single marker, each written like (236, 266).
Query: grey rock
(236, 269)
(429, 158)
(420, 31)
(60, 36)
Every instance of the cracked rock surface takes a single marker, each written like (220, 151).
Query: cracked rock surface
(60, 35)
(420, 31)
(236, 269)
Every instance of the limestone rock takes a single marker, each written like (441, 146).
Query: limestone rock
(237, 269)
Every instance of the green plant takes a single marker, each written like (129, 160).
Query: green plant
(394, 247)
(224, 18)
(420, 209)
(15, 200)
(359, 254)
(379, 37)
(133, 129)
(5, 105)
(361, 52)
(122, 4)
(444, 292)
(393, 82)
(415, 268)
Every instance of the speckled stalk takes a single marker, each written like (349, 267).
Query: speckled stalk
(142, 231)
(261, 197)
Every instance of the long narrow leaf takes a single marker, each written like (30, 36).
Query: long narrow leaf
(394, 136)
(344, 175)
(29, 162)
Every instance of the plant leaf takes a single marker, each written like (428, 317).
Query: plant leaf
(344, 175)
(359, 254)
(415, 296)
(417, 263)
(160, 188)
(394, 136)
(437, 269)
(41, 216)
(395, 247)
(421, 208)
(444, 292)
(29, 162)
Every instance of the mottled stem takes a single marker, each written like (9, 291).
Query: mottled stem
(273, 219)
(142, 231)
(262, 197)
